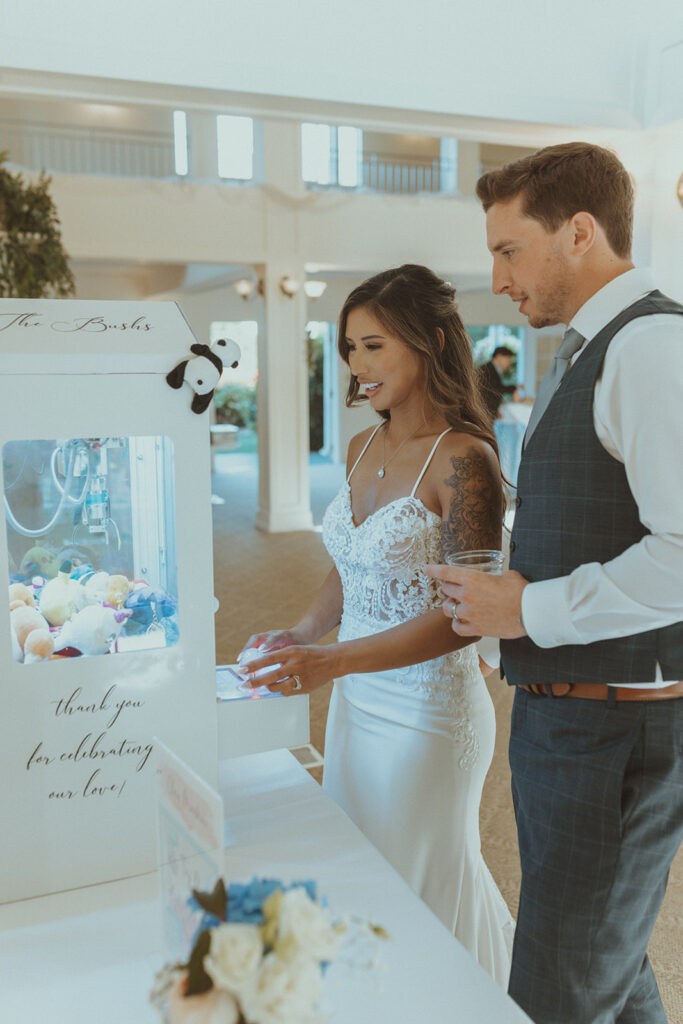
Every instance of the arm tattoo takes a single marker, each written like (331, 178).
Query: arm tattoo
(475, 512)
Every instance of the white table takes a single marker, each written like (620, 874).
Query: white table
(89, 956)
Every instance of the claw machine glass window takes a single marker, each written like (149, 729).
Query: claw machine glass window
(91, 546)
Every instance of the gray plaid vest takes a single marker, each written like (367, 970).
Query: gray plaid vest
(575, 506)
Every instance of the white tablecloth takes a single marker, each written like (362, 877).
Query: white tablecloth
(89, 956)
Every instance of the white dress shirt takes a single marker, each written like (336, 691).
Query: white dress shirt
(638, 418)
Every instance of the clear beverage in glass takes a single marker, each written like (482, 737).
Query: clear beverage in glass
(484, 560)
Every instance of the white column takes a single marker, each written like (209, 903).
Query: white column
(202, 145)
(284, 498)
(469, 167)
(449, 165)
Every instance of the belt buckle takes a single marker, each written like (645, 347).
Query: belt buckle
(549, 689)
(561, 689)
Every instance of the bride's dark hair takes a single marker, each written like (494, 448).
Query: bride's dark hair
(414, 305)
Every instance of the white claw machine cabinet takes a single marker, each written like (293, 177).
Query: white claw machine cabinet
(107, 631)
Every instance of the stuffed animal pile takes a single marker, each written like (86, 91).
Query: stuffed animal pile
(31, 637)
(67, 616)
(81, 612)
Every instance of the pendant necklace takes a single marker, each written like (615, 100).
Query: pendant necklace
(381, 472)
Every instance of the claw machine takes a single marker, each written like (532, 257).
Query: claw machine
(106, 633)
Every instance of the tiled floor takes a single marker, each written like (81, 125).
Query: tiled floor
(267, 580)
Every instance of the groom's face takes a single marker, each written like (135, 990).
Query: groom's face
(530, 264)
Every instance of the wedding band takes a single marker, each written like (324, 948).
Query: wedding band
(296, 683)
(454, 612)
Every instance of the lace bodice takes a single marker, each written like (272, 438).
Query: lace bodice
(381, 565)
(380, 562)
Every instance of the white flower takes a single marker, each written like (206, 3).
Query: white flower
(306, 926)
(286, 991)
(234, 957)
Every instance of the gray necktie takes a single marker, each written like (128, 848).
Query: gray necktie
(571, 343)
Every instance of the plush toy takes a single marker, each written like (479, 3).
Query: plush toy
(203, 369)
(101, 588)
(92, 630)
(62, 597)
(82, 572)
(31, 639)
(94, 584)
(146, 601)
(117, 590)
(20, 594)
(40, 560)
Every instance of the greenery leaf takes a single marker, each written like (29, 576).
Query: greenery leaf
(33, 263)
(198, 980)
(214, 902)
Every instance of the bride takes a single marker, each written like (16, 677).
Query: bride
(411, 726)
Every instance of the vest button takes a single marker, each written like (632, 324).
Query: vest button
(518, 501)
(512, 545)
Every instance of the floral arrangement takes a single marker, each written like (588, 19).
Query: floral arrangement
(258, 957)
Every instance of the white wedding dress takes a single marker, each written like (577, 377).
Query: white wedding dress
(407, 750)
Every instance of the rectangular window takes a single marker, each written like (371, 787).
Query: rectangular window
(316, 153)
(349, 152)
(331, 155)
(180, 142)
(91, 544)
(235, 139)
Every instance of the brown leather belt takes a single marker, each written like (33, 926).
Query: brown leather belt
(599, 691)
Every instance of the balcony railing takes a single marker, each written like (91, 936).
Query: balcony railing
(402, 174)
(68, 149)
(397, 175)
(71, 149)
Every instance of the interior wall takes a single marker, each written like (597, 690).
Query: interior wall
(202, 308)
(397, 146)
(492, 156)
(476, 307)
(131, 117)
(667, 211)
(116, 218)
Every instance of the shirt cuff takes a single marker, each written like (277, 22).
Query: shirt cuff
(488, 649)
(546, 614)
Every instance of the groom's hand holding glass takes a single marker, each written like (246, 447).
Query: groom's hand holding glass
(483, 600)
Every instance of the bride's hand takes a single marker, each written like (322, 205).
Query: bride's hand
(310, 666)
(271, 640)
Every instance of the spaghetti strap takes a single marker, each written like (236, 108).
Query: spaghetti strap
(429, 459)
(365, 448)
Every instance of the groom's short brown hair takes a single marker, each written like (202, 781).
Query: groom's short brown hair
(559, 181)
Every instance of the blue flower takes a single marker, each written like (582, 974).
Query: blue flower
(245, 901)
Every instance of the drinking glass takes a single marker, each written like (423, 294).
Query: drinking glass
(485, 560)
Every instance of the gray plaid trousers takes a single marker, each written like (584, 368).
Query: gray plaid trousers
(598, 795)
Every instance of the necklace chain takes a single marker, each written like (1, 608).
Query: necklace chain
(385, 461)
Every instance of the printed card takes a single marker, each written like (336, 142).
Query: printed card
(190, 819)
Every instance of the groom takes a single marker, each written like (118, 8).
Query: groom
(591, 611)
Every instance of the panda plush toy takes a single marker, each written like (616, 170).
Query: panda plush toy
(203, 370)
